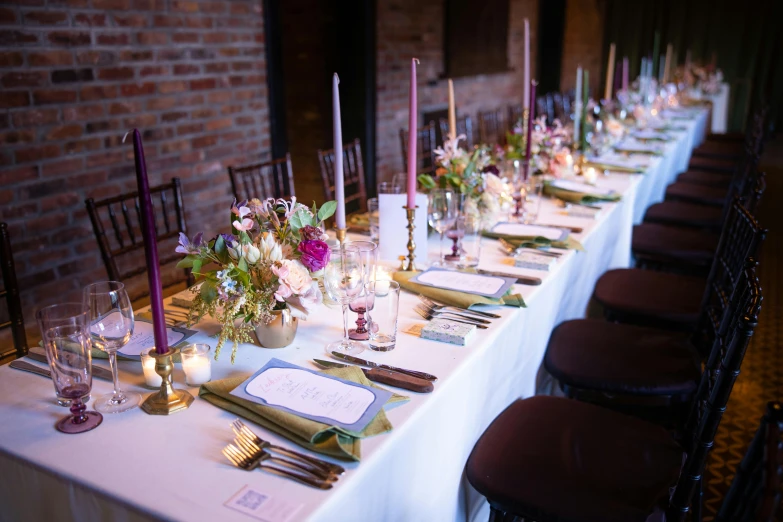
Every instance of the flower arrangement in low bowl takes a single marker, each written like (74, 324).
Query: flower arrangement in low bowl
(269, 263)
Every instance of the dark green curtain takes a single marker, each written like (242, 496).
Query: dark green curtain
(745, 37)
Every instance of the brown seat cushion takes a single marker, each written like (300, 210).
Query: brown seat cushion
(668, 242)
(592, 354)
(711, 163)
(705, 177)
(651, 298)
(556, 458)
(683, 213)
(701, 194)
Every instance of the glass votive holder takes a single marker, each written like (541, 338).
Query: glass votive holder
(196, 364)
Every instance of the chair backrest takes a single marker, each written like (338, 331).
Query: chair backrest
(754, 494)
(115, 222)
(10, 293)
(717, 387)
(270, 179)
(492, 127)
(559, 110)
(353, 174)
(464, 126)
(516, 115)
(425, 148)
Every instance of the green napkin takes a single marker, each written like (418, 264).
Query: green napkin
(323, 438)
(577, 197)
(631, 150)
(452, 297)
(616, 168)
(568, 243)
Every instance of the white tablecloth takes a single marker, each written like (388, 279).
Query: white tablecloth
(720, 107)
(140, 467)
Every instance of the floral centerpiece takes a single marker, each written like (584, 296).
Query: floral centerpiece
(549, 152)
(268, 263)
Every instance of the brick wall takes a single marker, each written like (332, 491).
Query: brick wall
(413, 28)
(77, 74)
(582, 43)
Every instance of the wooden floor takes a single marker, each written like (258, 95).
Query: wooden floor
(761, 379)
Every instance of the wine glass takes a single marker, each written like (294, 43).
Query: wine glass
(343, 280)
(368, 251)
(69, 352)
(110, 319)
(441, 214)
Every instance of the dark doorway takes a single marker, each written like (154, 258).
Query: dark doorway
(551, 25)
(308, 41)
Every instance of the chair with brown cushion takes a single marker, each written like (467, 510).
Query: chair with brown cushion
(353, 174)
(464, 127)
(755, 491)
(425, 147)
(10, 293)
(115, 221)
(553, 459)
(269, 179)
(674, 301)
(492, 127)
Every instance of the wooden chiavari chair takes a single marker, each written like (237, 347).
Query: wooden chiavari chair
(270, 179)
(115, 221)
(464, 127)
(353, 172)
(492, 127)
(10, 293)
(425, 147)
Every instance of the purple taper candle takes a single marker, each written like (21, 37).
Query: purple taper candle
(530, 118)
(150, 246)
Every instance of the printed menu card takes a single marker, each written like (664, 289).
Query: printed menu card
(467, 282)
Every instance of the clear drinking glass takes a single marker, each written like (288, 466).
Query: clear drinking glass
(533, 188)
(343, 280)
(69, 352)
(65, 314)
(385, 299)
(369, 254)
(374, 217)
(110, 319)
(390, 187)
(441, 214)
(470, 243)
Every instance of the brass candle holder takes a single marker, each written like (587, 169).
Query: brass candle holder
(167, 400)
(340, 233)
(410, 266)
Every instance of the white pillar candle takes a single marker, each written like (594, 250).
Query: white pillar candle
(526, 96)
(196, 364)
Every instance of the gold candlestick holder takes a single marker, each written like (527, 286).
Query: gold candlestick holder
(340, 233)
(167, 400)
(410, 266)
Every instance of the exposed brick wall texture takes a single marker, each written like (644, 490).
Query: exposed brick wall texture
(413, 28)
(582, 42)
(77, 74)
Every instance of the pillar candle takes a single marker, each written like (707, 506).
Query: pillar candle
(656, 52)
(625, 74)
(531, 117)
(609, 72)
(452, 112)
(578, 106)
(526, 96)
(337, 134)
(413, 108)
(667, 63)
(147, 223)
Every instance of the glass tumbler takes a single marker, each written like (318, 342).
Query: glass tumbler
(385, 299)
(374, 218)
(471, 227)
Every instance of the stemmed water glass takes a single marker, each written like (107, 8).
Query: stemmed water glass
(68, 349)
(441, 214)
(343, 280)
(368, 251)
(110, 319)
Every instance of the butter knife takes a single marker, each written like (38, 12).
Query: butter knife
(27, 367)
(363, 362)
(522, 280)
(37, 354)
(400, 380)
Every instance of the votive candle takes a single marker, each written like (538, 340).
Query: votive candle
(196, 364)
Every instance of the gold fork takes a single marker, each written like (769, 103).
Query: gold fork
(241, 458)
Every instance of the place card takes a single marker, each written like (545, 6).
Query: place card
(575, 186)
(534, 261)
(393, 223)
(446, 331)
(467, 282)
(262, 506)
(312, 395)
(143, 337)
(524, 230)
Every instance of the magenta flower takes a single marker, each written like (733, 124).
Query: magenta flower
(311, 233)
(315, 254)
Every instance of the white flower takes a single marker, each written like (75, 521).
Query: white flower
(251, 253)
(450, 151)
(298, 277)
(303, 304)
(270, 249)
(493, 185)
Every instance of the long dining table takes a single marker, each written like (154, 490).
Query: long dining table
(138, 467)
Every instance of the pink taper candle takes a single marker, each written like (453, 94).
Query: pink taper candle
(413, 108)
(339, 181)
(150, 246)
(530, 119)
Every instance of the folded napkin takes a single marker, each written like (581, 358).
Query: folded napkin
(636, 149)
(568, 243)
(452, 297)
(578, 197)
(615, 167)
(317, 436)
